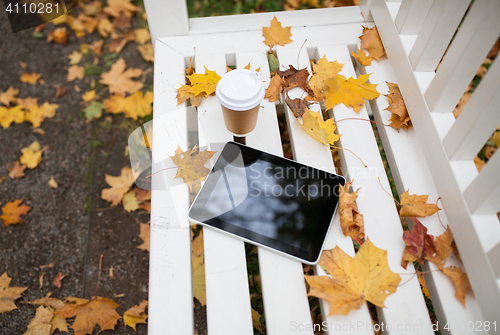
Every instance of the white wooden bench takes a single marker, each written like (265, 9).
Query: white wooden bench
(434, 157)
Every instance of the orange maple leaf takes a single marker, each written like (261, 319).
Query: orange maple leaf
(366, 277)
(351, 92)
(119, 186)
(273, 91)
(9, 96)
(8, 295)
(370, 40)
(362, 57)
(322, 71)
(89, 313)
(191, 164)
(397, 107)
(119, 80)
(17, 170)
(59, 36)
(276, 34)
(416, 205)
(12, 212)
(351, 221)
(30, 78)
(461, 282)
(136, 314)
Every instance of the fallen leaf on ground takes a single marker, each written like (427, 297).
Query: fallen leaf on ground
(89, 96)
(75, 72)
(366, 277)
(460, 281)
(30, 78)
(36, 114)
(130, 202)
(60, 91)
(297, 106)
(119, 43)
(317, 128)
(114, 8)
(75, 57)
(276, 34)
(40, 324)
(105, 27)
(9, 96)
(147, 52)
(90, 313)
(8, 295)
(11, 114)
(351, 92)
(370, 40)
(416, 205)
(134, 106)
(32, 155)
(191, 164)
(322, 71)
(12, 212)
(418, 244)
(397, 107)
(119, 80)
(122, 21)
(136, 314)
(57, 279)
(256, 320)
(52, 182)
(351, 221)
(362, 57)
(53, 303)
(199, 290)
(59, 36)
(145, 236)
(96, 47)
(142, 35)
(273, 91)
(119, 186)
(17, 170)
(40, 279)
(93, 111)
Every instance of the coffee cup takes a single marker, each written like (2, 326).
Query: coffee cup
(240, 93)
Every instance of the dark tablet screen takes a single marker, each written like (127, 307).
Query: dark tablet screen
(269, 200)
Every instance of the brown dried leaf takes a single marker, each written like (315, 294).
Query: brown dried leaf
(119, 80)
(57, 279)
(17, 170)
(8, 295)
(119, 186)
(274, 89)
(297, 106)
(145, 236)
(351, 221)
(416, 205)
(461, 282)
(370, 40)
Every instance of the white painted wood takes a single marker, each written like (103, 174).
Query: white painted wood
(478, 120)
(364, 5)
(436, 33)
(410, 172)
(483, 194)
(225, 260)
(476, 36)
(166, 18)
(446, 178)
(382, 223)
(411, 16)
(286, 307)
(494, 255)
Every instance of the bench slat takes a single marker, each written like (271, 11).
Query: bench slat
(411, 16)
(225, 261)
(406, 307)
(474, 39)
(283, 288)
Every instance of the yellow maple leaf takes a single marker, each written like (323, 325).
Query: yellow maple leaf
(8, 295)
(199, 289)
(75, 72)
(75, 57)
(366, 277)
(12, 212)
(322, 71)
(351, 221)
(145, 236)
(30, 78)
(134, 106)
(276, 34)
(185, 92)
(316, 127)
(32, 155)
(114, 8)
(147, 52)
(136, 314)
(397, 107)
(89, 96)
(9, 115)
(416, 205)
(119, 186)
(461, 282)
(89, 313)
(9, 96)
(36, 114)
(129, 201)
(142, 35)
(370, 40)
(351, 92)
(204, 83)
(191, 164)
(362, 57)
(119, 80)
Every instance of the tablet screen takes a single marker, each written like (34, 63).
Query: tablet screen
(269, 200)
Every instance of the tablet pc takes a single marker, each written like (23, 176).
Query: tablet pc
(269, 201)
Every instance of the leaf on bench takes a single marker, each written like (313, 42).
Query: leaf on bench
(370, 40)
(351, 221)
(351, 92)
(460, 281)
(416, 205)
(317, 128)
(276, 34)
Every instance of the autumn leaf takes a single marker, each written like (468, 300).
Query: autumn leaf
(415, 205)
(11, 114)
(75, 57)
(317, 128)
(75, 72)
(276, 34)
(57, 279)
(40, 324)
(145, 236)
(30, 78)
(119, 43)
(418, 244)
(147, 52)
(397, 107)
(185, 92)
(89, 96)
(105, 27)
(114, 8)
(17, 170)
(460, 281)
(370, 40)
(443, 248)
(191, 164)
(32, 155)
(53, 303)
(204, 83)
(134, 106)
(295, 78)
(130, 203)
(322, 71)
(199, 290)
(59, 36)
(52, 182)
(119, 80)
(136, 314)
(366, 277)
(89, 313)
(297, 106)
(273, 91)
(197, 245)
(142, 35)
(351, 221)
(93, 111)
(36, 114)
(351, 92)
(119, 186)
(362, 57)
(256, 320)
(8, 295)
(423, 284)
(12, 212)
(9, 96)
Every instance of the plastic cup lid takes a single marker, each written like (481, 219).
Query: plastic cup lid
(240, 90)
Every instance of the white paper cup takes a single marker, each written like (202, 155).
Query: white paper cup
(240, 93)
